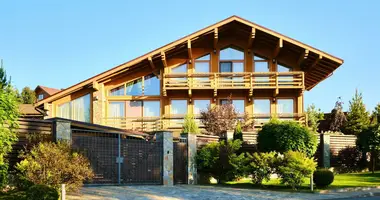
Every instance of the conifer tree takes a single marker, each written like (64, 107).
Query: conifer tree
(357, 117)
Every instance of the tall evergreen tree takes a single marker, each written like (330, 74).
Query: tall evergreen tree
(337, 118)
(4, 81)
(28, 96)
(375, 116)
(357, 117)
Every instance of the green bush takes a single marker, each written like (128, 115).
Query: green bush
(220, 160)
(42, 192)
(350, 160)
(238, 134)
(294, 167)
(189, 125)
(283, 136)
(323, 177)
(260, 166)
(54, 164)
(3, 175)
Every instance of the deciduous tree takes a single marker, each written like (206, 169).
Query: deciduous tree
(28, 96)
(337, 118)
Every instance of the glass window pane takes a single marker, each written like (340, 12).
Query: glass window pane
(285, 106)
(178, 107)
(81, 109)
(231, 54)
(238, 67)
(239, 106)
(116, 109)
(258, 58)
(281, 68)
(225, 66)
(151, 108)
(151, 85)
(202, 67)
(133, 108)
(261, 67)
(64, 111)
(205, 57)
(119, 91)
(134, 88)
(200, 105)
(180, 69)
(261, 106)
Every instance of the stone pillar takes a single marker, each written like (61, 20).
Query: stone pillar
(191, 163)
(325, 150)
(166, 137)
(61, 130)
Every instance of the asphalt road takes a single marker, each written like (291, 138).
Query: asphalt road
(362, 198)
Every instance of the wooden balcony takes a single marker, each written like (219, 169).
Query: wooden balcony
(235, 80)
(174, 123)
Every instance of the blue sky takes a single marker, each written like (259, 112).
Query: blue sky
(60, 43)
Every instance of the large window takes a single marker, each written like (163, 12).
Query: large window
(261, 110)
(151, 87)
(178, 107)
(200, 105)
(231, 60)
(261, 65)
(285, 106)
(202, 64)
(78, 109)
(134, 109)
(237, 103)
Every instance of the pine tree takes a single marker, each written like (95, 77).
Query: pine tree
(337, 118)
(375, 116)
(4, 81)
(314, 115)
(28, 96)
(357, 117)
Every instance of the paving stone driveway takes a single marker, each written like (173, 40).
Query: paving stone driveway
(197, 192)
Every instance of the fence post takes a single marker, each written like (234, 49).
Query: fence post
(63, 192)
(166, 137)
(325, 145)
(62, 130)
(191, 154)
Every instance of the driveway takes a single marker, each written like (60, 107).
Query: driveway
(197, 192)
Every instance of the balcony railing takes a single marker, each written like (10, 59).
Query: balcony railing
(149, 124)
(235, 80)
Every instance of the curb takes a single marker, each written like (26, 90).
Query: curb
(350, 189)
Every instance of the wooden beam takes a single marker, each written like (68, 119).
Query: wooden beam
(151, 63)
(278, 48)
(95, 85)
(251, 38)
(216, 37)
(303, 57)
(163, 58)
(315, 63)
(189, 51)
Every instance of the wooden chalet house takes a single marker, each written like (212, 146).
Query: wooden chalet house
(265, 72)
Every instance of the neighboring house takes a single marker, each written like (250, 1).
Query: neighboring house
(43, 92)
(28, 111)
(266, 74)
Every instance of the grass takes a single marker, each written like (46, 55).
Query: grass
(364, 179)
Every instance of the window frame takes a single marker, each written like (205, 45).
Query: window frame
(197, 99)
(71, 110)
(142, 106)
(232, 99)
(170, 107)
(195, 61)
(124, 84)
(286, 98)
(232, 61)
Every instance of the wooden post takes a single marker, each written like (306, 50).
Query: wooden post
(63, 192)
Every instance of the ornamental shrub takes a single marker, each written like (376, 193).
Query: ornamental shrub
(349, 160)
(54, 164)
(220, 160)
(3, 175)
(294, 167)
(323, 177)
(42, 192)
(283, 136)
(189, 125)
(238, 134)
(260, 166)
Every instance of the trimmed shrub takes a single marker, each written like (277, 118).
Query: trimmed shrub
(42, 192)
(349, 160)
(323, 177)
(294, 167)
(260, 166)
(54, 164)
(189, 125)
(238, 134)
(220, 160)
(283, 136)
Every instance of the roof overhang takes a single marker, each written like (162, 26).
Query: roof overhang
(316, 64)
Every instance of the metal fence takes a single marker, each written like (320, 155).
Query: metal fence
(120, 159)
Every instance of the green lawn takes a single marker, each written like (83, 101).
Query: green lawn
(365, 179)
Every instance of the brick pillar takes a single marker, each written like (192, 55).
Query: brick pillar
(61, 130)
(166, 137)
(325, 145)
(191, 163)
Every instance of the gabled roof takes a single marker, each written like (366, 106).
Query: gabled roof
(318, 65)
(28, 110)
(49, 91)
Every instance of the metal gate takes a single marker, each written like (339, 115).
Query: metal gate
(180, 161)
(119, 159)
